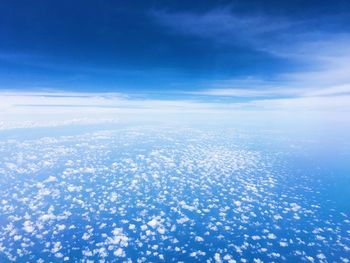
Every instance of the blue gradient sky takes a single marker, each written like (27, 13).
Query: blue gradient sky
(172, 49)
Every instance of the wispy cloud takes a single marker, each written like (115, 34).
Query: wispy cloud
(279, 92)
(321, 84)
(222, 25)
(249, 92)
(278, 35)
(323, 56)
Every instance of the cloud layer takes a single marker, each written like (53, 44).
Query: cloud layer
(41, 109)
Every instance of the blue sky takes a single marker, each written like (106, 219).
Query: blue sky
(217, 51)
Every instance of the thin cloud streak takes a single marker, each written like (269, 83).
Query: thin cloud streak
(276, 92)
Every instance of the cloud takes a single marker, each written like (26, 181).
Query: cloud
(278, 35)
(249, 92)
(222, 25)
(279, 92)
(50, 109)
(330, 104)
(322, 56)
(329, 91)
(320, 84)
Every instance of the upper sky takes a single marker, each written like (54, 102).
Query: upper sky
(219, 48)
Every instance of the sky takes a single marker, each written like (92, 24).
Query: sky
(255, 55)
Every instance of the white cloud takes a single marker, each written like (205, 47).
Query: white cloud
(322, 86)
(249, 92)
(278, 91)
(23, 110)
(322, 56)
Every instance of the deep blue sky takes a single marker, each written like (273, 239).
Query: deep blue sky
(161, 45)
